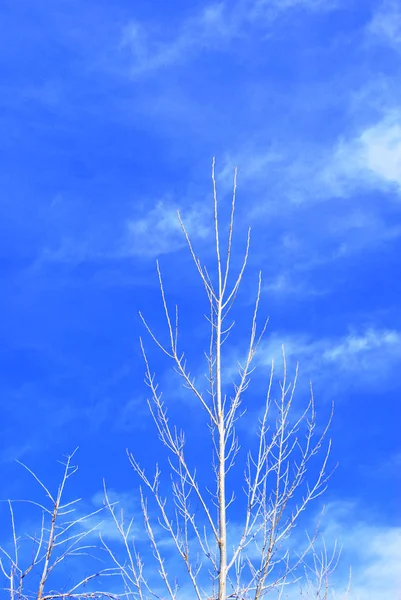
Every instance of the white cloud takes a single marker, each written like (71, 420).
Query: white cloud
(371, 159)
(369, 355)
(159, 231)
(366, 158)
(147, 233)
(215, 25)
(284, 284)
(274, 6)
(385, 25)
(253, 165)
(381, 151)
(355, 345)
(373, 552)
(150, 49)
(126, 505)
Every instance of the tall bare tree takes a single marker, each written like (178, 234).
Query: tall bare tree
(276, 477)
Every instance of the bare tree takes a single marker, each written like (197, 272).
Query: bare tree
(218, 561)
(317, 571)
(30, 564)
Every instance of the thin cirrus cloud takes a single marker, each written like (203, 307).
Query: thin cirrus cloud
(385, 27)
(212, 28)
(370, 159)
(367, 358)
(370, 548)
(368, 556)
(369, 355)
(158, 231)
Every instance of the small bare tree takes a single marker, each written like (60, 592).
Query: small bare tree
(315, 583)
(30, 564)
(218, 561)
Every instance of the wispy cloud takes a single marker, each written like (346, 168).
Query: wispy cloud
(385, 26)
(368, 355)
(158, 231)
(127, 505)
(143, 232)
(271, 7)
(367, 159)
(372, 550)
(371, 159)
(355, 345)
(285, 285)
(149, 48)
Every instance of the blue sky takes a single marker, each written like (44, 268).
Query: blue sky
(110, 116)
